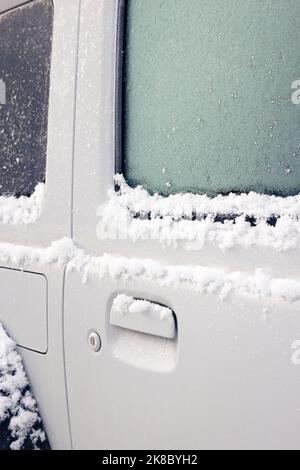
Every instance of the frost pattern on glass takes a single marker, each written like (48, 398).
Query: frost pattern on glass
(25, 53)
(207, 104)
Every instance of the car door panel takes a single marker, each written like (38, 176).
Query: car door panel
(229, 379)
(230, 384)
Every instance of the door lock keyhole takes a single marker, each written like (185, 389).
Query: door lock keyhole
(94, 341)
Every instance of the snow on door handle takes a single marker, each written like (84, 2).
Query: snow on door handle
(143, 316)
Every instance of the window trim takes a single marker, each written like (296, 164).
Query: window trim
(119, 86)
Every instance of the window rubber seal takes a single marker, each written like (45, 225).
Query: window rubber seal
(119, 86)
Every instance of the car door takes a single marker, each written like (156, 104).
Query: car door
(199, 114)
(38, 53)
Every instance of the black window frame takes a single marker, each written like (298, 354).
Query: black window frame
(120, 85)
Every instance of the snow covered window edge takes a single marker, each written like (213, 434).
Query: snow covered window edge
(266, 221)
(139, 201)
(22, 210)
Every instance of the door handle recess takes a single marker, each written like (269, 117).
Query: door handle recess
(143, 316)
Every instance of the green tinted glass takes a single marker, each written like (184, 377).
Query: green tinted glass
(208, 103)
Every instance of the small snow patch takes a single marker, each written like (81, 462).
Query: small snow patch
(126, 305)
(143, 316)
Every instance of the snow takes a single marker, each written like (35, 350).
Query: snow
(59, 252)
(179, 205)
(125, 305)
(134, 214)
(202, 279)
(22, 210)
(17, 406)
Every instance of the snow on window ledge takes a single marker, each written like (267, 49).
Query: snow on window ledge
(22, 210)
(187, 205)
(134, 214)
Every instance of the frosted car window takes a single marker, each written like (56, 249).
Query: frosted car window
(208, 102)
(25, 51)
